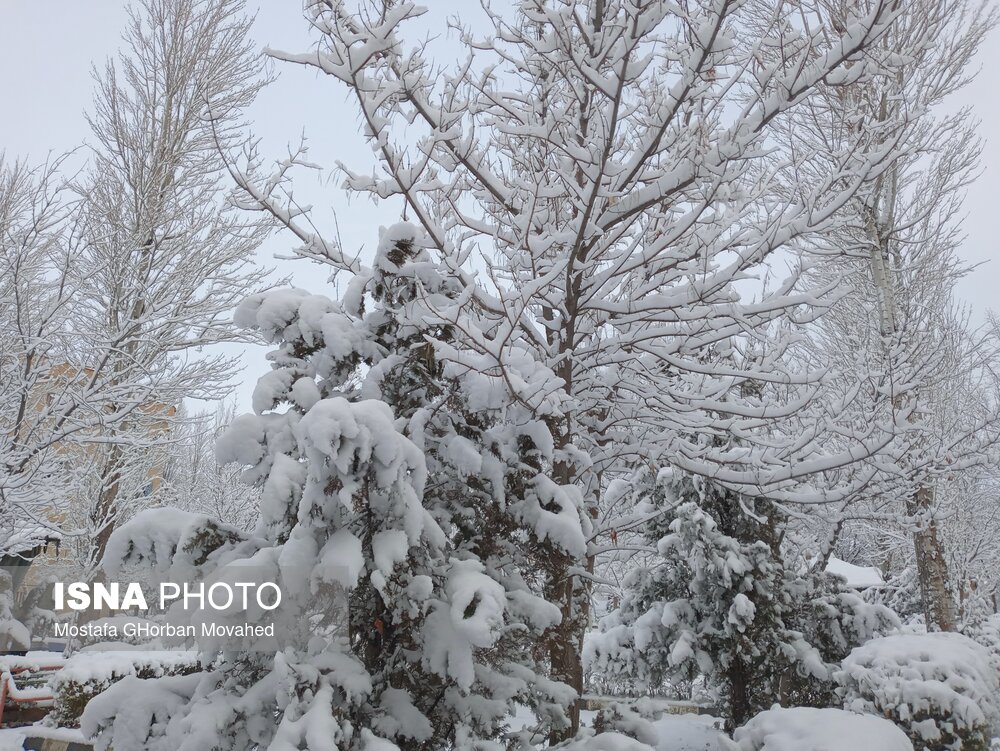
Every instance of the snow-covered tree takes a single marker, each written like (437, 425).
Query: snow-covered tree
(193, 480)
(722, 602)
(974, 563)
(165, 259)
(39, 412)
(406, 483)
(899, 343)
(712, 607)
(110, 292)
(607, 165)
(50, 407)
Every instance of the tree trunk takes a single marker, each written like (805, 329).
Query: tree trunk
(741, 708)
(103, 517)
(563, 641)
(932, 569)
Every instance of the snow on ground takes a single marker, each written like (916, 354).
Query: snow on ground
(804, 728)
(682, 732)
(687, 732)
(12, 739)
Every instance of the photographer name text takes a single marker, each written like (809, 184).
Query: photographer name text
(113, 631)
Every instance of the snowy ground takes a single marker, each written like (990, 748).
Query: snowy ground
(685, 732)
(12, 739)
(675, 732)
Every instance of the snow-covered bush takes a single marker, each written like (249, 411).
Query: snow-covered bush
(833, 620)
(987, 633)
(942, 689)
(901, 593)
(811, 729)
(627, 719)
(87, 674)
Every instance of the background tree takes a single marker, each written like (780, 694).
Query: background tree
(897, 339)
(166, 259)
(194, 480)
(40, 412)
(727, 601)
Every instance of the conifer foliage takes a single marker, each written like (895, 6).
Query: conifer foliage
(389, 476)
(720, 600)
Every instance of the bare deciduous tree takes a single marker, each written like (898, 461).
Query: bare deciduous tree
(608, 167)
(898, 339)
(166, 259)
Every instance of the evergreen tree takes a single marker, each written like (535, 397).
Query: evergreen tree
(408, 485)
(721, 602)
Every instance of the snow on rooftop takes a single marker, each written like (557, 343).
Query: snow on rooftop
(858, 577)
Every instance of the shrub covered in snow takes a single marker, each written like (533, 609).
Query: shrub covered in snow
(943, 689)
(901, 593)
(810, 729)
(987, 633)
(833, 620)
(626, 719)
(87, 674)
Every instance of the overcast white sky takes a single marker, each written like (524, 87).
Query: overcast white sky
(47, 48)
